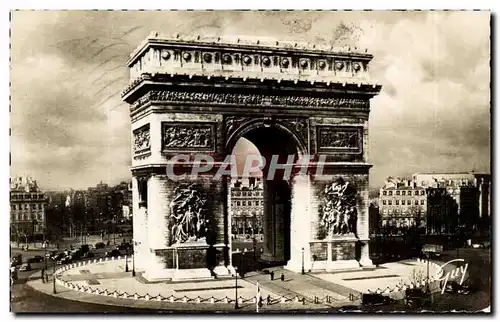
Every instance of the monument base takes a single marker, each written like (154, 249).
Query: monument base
(336, 253)
(194, 274)
(193, 260)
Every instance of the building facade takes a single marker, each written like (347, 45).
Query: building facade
(402, 205)
(247, 209)
(28, 221)
(440, 202)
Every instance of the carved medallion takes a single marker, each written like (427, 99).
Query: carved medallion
(339, 139)
(339, 210)
(250, 99)
(188, 214)
(142, 140)
(188, 136)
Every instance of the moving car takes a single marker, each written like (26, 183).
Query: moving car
(99, 245)
(25, 267)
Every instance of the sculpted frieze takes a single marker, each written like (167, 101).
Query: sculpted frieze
(250, 99)
(187, 136)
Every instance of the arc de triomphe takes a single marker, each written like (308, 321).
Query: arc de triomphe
(198, 97)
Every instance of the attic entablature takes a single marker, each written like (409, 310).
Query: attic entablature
(247, 58)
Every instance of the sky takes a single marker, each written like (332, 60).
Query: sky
(70, 129)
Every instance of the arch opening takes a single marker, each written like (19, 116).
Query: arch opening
(270, 187)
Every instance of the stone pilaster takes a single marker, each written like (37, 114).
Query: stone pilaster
(300, 224)
(140, 229)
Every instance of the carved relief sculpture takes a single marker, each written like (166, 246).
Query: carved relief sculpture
(187, 208)
(339, 216)
(142, 139)
(195, 136)
(338, 138)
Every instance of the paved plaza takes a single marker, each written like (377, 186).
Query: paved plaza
(332, 289)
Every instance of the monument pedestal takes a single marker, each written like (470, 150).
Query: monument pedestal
(334, 254)
(194, 260)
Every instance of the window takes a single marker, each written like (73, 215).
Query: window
(390, 193)
(26, 206)
(12, 217)
(397, 193)
(397, 202)
(244, 203)
(390, 202)
(422, 192)
(422, 202)
(262, 202)
(403, 201)
(416, 202)
(238, 203)
(39, 216)
(384, 202)
(403, 193)
(384, 193)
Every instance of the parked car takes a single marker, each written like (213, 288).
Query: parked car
(59, 256)
(99, 245)
(455, 288)
(84, 248)
(17, 259)
(51, 254)
(64, 260)
(124, 246)
(113, 253)
(88, 255)
(25, 267)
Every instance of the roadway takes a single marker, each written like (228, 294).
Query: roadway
(24, 299)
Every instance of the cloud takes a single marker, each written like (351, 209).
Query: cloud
(71, 129)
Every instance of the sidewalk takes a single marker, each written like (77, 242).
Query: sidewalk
(303, 286)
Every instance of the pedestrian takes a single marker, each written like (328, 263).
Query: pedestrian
(43, 275)
(272, 275)
(282, 277)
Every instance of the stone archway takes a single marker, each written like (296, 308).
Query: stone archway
(199, 97)
(273, 138)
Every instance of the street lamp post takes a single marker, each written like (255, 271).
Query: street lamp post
(303, 270)
(45, 253)
(134, 243)
(236, 287)
(54, 279)
(126, 261)
(427, 280)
